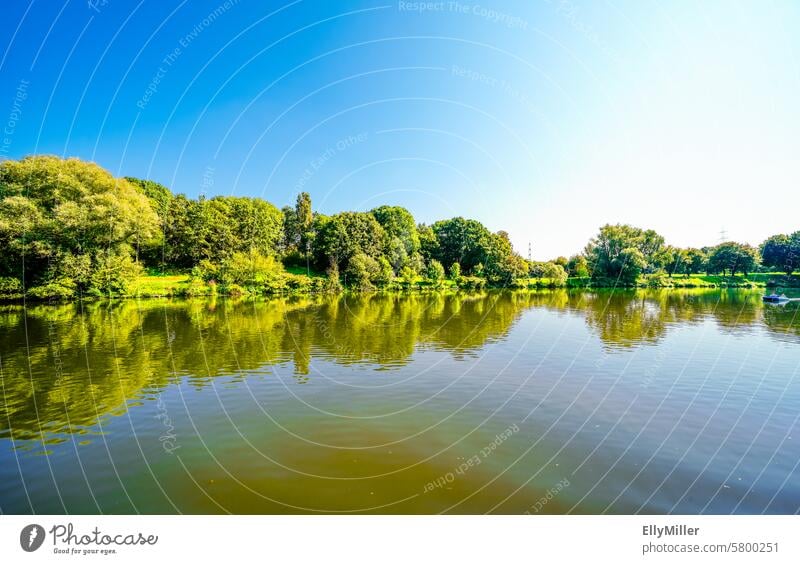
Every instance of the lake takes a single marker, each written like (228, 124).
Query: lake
(678, 401)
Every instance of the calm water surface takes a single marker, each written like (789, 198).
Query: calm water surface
(551, 402)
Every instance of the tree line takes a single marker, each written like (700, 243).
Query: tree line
(623, 253)
(70, 228)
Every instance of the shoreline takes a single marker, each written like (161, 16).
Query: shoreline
(184, 287)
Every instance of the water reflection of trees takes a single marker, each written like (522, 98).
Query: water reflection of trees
(66, 367)
(629, 318)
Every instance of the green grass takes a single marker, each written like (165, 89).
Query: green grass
(302, 270)
(166, 285)
(161, 285)
(752, 280)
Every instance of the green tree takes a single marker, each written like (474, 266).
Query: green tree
(428, 243)
(362, 271)
(464, 241)
(731, 257)
(52, 208)
(346, 234)
(623, 252)
(455, 271)
(253, 270)
(435, 272)
(402, 239)
(385, 273)
(782, 252)
(158, 194)
(695, 261)
(578, 266)
(305, 221)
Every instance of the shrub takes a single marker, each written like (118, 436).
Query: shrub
(658, 279)
(62, 289)
(10, 287)
(298, 283)
(114, 273)
(471, 282)
(409, 276)
(435, 271)
(254, 271)
(385, 273)
(332, 284)
(199, 288)
(362, 271)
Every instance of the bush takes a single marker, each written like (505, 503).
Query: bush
(10, 287)
(332, 284)
(659, 280)
(235, 290)
(198, 288)
(435, 272)
(62, 289)
(471, 282)
(114, 273)
(362, 271)
(254, 271)
(206, 271)
(298, 283)
(385, 273)
(409, 276)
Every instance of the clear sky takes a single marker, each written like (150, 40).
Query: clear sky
(545, 118)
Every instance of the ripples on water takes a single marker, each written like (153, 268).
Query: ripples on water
(549, 402)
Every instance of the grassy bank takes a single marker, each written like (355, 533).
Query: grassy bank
(183, 285)
(299, 281)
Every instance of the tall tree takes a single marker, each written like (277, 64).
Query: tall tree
(731, 257)
(622, 252)
(402, 239)
(782, 252)
(346, 234)
(52, 209)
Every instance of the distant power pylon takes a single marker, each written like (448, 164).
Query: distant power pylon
(723, 235)
(530, 255)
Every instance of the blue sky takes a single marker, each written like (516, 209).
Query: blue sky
(545, 118)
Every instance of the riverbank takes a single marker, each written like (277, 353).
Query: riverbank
(184, 285)
(296, 282)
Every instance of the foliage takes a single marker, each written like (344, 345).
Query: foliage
(69, 218)
(10, 287)
(782, 252)
(408, 275)
(83, 232)
(622, 252)
(298, 225)
(113, 273)
(464, 241)
(731, 257)
(455, 271)
(346, 234)
(695, 261)
(401, 236)
(385, 274)
(578, 266)
(332, 282)
(362, 271)
(253, 271)
(552, 271)
(435, 272)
